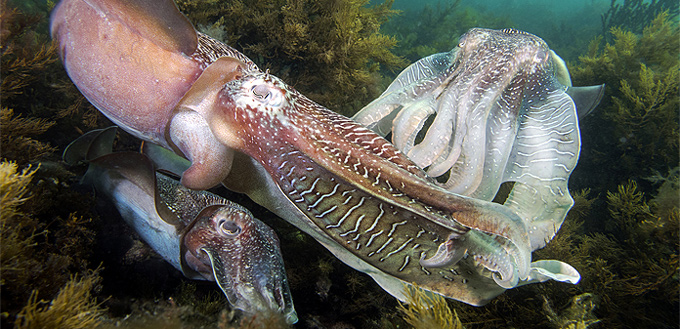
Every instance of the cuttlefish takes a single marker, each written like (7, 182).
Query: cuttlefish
(499, 107)
(201, 234)
(144, 66)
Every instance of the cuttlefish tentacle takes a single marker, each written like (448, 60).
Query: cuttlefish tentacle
(493, 253)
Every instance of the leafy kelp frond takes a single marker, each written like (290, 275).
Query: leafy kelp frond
(635, 129)
(628, 207)
(578, 315)
(634, 15)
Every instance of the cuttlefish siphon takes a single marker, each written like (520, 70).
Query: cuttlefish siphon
(203, 235)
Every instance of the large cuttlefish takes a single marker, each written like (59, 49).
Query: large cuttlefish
(203, 235)
(143, 65)
(497, 108)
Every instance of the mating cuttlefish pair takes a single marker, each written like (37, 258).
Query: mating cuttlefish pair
(497, 108)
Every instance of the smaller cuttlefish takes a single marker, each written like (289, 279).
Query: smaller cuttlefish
(201, 234)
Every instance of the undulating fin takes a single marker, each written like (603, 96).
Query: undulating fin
(586, 99)
(90, 145)
(561, 71)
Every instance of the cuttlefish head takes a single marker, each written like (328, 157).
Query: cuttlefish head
(501, 58)
(254, 106)
(226, 244)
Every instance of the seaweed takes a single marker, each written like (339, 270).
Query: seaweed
(34, 83)
(17, 230)
(634, 15)
(331, 50)
(204, 307)
(48, 232)
(74, 307)
(579, 314)
(635, 130)
(427, 310)
(665, 203)
(24, 53)
(629, 269)
(17, 137)
(634, 265)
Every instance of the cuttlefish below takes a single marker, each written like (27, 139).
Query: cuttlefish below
(145, 67)
(203, 235)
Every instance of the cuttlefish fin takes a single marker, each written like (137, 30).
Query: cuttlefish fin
(134, 167)
(96, 147)
(90, 145)
(560, 69)
(156, 20)
(586, 98)
(189, 131)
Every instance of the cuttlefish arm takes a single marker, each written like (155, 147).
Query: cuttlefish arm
(135, 61)
(341, 178)
(502, 109)
(203, 235)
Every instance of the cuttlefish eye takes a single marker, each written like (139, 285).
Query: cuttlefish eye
(261, 92)
(228, 228)
(461, 41)
(267, 94)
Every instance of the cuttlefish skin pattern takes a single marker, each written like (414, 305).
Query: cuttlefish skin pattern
(201, 234)
(356, 188)
(143, 65)
(497, 108)
(229, 243)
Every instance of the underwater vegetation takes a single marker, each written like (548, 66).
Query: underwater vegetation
(73, 308)
(20, 145)
(47, 229)
(635, 15)
(425, 310)
(330, 50)
(45, 236)
(622, 234)
(629, 270)
(634, 131)
(579, 314)
(436, 29)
